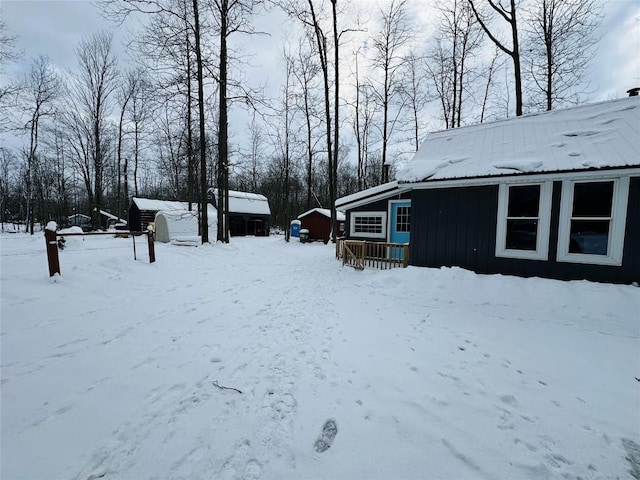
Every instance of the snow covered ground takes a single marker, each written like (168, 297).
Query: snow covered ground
(117, 369)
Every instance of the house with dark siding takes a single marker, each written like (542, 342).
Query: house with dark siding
(553, 194)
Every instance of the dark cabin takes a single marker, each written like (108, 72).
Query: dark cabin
(318, 222)
(554, 194)
(249, 213)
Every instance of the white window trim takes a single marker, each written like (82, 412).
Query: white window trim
(544, 221)
(352, 225)
(616, 228)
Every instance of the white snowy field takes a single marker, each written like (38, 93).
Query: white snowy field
(110, 372)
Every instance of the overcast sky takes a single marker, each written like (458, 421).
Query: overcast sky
(55, 27)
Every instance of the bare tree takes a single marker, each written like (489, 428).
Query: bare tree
(311, 19)
(305, 71)
(364, 112)
(124, 94)
(489, 75)
(8, 92)
(92, 89)
(140, 116)
(232, 16)
(7, 165)
(189, 20)
(561, 41)
(283, 136)
(509, 15)
(415, 93)
(395, 33)
(458, 37)
(42, 87)
(167, 46)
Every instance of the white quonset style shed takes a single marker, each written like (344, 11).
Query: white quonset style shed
(554, 194)
(171, 218)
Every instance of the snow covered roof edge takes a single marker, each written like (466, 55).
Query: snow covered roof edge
(598, 135)
(326, 212)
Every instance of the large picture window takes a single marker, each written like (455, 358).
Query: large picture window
(592, 221)
(523, 221)
(368, 224)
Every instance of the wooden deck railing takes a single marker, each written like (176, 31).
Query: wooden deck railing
(360, 254)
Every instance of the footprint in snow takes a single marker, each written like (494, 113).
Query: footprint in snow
(329, 432)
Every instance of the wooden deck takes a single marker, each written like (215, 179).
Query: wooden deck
(360, 254)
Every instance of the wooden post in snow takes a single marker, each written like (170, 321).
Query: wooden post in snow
(152, 251)
(51, 238)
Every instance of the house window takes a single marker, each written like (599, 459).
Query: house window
(524, 212)
(368, 224)
(403, 219)
(592, 221)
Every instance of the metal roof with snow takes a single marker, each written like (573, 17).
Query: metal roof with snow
(326, 212)
(157, 205)
(599, 135)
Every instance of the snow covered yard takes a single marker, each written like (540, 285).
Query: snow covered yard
(111, 371)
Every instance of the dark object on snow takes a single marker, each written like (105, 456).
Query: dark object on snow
(329, 432)
(222, 387)
(304, 235)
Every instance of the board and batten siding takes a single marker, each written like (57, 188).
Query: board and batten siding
(456, 226)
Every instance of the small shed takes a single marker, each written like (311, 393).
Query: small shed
(176, 224)
(80, 220)
(318, 222)
(142, 211)
(249, 213)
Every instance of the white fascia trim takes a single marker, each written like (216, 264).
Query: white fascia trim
(375, 198)
(544, 222)
(605, 174)
(616, 232)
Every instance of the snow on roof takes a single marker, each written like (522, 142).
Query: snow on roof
(157, 205)
(110, 216)
(367, 193)
(598, 135)
(239, 202)
(244, 202)
(326, 212)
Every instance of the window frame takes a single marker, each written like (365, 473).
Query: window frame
(617, 223)
(543, 228)
(352, 224)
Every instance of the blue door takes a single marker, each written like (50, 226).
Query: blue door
(400, 228)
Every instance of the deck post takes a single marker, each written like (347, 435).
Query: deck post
(152, 251)
(51, 239)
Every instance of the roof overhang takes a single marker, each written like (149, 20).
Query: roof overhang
(591, 174)
(373, 194)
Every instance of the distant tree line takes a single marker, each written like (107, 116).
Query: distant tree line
(360, 89)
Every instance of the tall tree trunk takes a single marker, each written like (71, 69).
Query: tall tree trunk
(223, 175)
(334, 171)
(201, 119)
